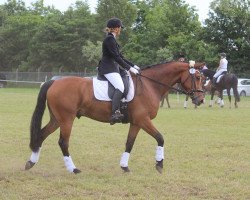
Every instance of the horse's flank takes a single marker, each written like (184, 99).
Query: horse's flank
(80, 96)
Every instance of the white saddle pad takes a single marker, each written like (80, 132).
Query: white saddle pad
(218, 79)
(101, 90)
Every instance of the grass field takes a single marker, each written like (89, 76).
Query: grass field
(207, 155)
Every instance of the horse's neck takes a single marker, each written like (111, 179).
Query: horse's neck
(165, 76)
(209, 73)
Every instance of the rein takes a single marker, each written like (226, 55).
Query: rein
(162, 84)
(174, 88)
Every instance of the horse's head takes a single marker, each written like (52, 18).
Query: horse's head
(191, 81)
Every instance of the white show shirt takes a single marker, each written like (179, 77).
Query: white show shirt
(222, 67)
(223, 64)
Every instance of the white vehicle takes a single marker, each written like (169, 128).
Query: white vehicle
(243, 87)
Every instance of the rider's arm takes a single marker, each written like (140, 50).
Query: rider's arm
(114, 51)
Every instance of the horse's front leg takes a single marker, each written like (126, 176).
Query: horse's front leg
(221, 97)
(229, 97)
(186, 101)
(167, 99)
(132, 134)
(162, 101)
(148, 126)
(212, 97)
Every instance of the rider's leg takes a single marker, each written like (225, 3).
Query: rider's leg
(116, 80)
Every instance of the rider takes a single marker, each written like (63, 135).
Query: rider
(112, 64)
(181, 57)
(222, 69)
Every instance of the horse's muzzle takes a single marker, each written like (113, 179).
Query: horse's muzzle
(198, 100)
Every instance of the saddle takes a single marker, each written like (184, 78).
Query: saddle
(111, 88)
(104, 91)
(220, 76)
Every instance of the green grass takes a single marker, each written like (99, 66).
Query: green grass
(207, 155)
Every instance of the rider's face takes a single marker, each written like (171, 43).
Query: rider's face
(118, 31)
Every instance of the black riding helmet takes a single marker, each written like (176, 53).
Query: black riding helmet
(223, 54)
(114, 23)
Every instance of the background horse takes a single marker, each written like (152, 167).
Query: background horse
(165, 97)
(73, 97)
(227, 82)
(203, 81)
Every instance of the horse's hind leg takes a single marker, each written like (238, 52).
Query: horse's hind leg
(235, 103)
(45, 132)
(65, 130)
(229, 97)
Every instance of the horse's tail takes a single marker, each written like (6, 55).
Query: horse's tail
(36, 120)
(235, 89)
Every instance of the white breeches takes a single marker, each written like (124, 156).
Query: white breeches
(116, 80)
(218, 73)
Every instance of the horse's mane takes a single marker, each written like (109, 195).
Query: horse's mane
(208, 73)
(162, 63)
(153, 65)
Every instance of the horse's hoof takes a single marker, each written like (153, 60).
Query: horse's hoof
(125, 169)
(29, 165)
(159, 166)
(76, 171)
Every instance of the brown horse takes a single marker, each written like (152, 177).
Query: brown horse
(165, 97)
(73, 97)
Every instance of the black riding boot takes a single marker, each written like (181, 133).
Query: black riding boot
(214, 82)
(116, 114)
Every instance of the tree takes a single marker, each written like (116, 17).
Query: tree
(122, 9)
(58, 42)
(15, 39)
(228, 27)
(92, 53)
(168, 25)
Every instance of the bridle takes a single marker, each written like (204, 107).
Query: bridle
(190, 93)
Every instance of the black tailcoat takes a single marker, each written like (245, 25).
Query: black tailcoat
(111, 57)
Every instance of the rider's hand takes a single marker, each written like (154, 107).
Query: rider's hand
(133, 70)
(136, 67)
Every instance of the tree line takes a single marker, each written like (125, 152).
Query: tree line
(43, 38)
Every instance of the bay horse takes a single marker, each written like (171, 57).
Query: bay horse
(165, 97)
(204, 87)
(73, 97)
(227, 82)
